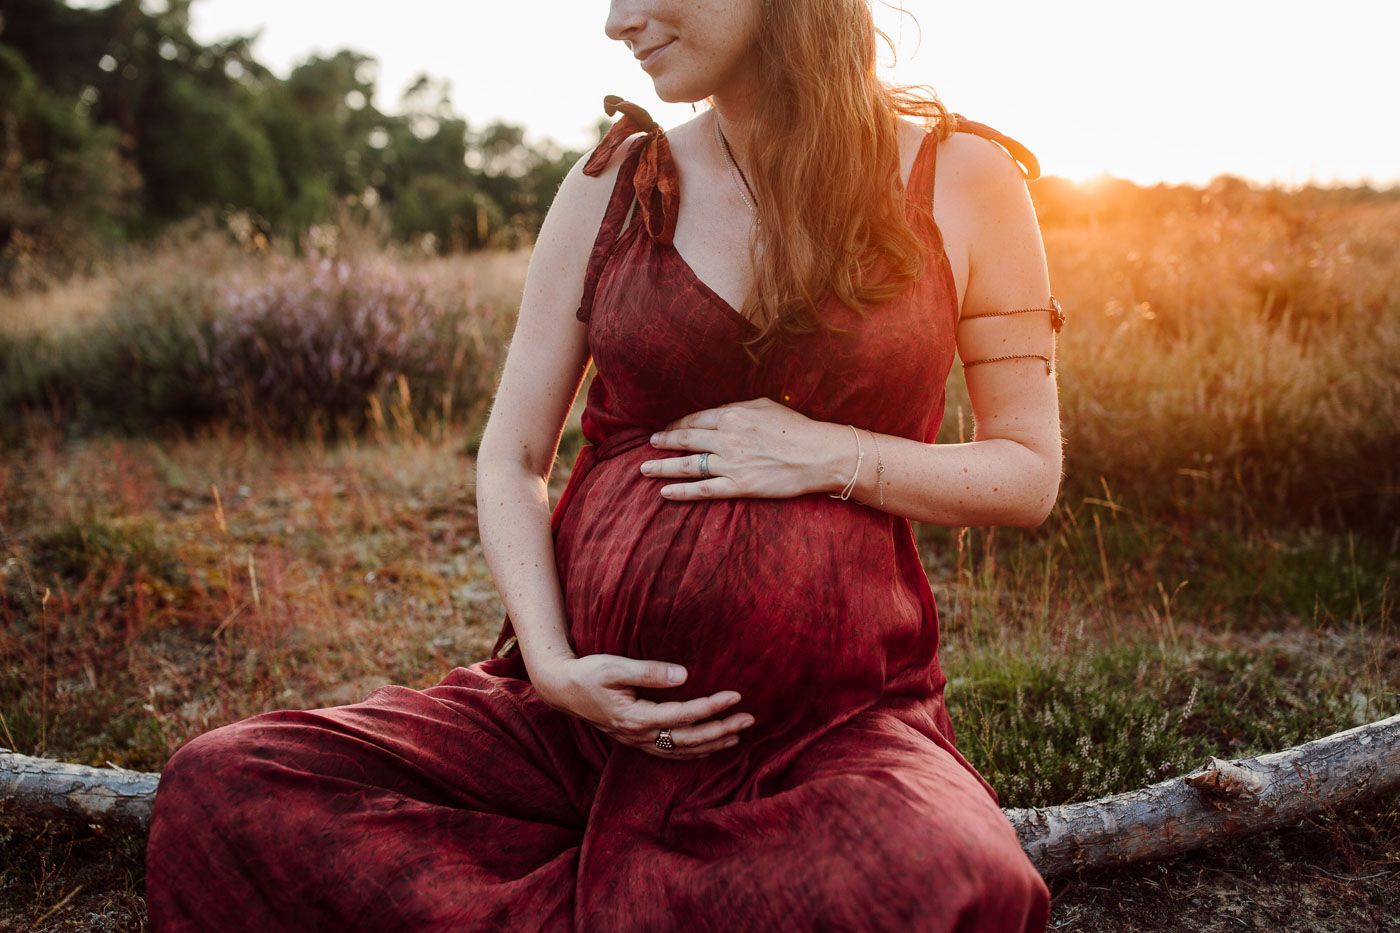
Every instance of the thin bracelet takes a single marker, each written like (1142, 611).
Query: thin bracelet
(879, 468)
(860, 458)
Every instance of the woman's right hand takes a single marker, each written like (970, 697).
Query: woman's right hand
(598, 688)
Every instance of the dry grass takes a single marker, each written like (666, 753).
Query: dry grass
(1242, 364)
(60, 309)
(194, 583)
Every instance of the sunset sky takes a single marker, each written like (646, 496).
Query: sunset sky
(1284, 92)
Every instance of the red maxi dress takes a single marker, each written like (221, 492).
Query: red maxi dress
(472, 805)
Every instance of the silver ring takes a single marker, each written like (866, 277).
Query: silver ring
(663, 741)
(705, 465)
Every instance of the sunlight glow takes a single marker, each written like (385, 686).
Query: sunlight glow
(1278, 91)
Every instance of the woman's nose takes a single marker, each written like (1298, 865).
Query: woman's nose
(625, 19)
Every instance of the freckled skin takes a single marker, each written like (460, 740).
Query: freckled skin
(712, 43)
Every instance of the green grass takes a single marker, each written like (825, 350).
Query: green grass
(1094, 721)
(1132, 565)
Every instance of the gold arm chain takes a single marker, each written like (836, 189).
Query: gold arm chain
(1025, 356)
(1057, 320)
(1057, 314)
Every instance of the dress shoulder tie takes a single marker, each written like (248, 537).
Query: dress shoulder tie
(655, 179)
(1025, 159)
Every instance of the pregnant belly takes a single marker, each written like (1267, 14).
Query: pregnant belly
(783, 600)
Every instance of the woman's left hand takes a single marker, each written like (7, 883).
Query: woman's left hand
(758, 449)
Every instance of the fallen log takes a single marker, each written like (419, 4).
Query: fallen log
(47, 788)
(1224, 800)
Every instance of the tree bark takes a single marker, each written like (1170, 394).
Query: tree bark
(48, 788)
(1221, 801)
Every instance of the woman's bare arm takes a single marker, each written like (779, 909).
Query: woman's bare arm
(1009, 474)
(544, 368)
(543, 371)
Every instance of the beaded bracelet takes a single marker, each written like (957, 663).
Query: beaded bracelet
(845, 493)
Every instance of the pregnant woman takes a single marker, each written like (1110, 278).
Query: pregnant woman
(716, 703)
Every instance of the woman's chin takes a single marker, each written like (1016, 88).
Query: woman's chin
(672, 94)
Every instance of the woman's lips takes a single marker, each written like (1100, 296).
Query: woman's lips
(651, 59)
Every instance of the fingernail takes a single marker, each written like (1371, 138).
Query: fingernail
(656, 438)
(675, 674)
(731, 742)
(746, 722)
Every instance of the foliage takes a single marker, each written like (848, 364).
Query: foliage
(123, 122)
(452, 214)
(199, 148)
(73, 193)
(198, 334)
(94, 546)
(136, 368)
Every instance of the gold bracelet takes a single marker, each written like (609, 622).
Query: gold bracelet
(879, 468)
(860, 458)
(1057, 320)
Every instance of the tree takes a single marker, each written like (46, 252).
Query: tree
(118, 116)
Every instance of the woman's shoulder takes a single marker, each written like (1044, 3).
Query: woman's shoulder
(583, 196)
(979, 187)
(982, 205)
(977, 165)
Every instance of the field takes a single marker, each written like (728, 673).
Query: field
(195, 528)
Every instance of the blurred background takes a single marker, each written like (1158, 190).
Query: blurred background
(260, 262)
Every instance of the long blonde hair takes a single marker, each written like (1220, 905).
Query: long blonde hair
(824, 164)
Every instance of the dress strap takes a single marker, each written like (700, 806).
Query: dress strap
(654, 175)
(1025, 159)
(920, 188)
(611, 228)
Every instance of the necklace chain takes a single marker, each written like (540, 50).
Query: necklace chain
(732, 164)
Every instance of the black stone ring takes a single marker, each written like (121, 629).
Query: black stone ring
(663, 741)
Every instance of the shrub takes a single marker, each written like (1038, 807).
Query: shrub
(283, 345)
(320, 338)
